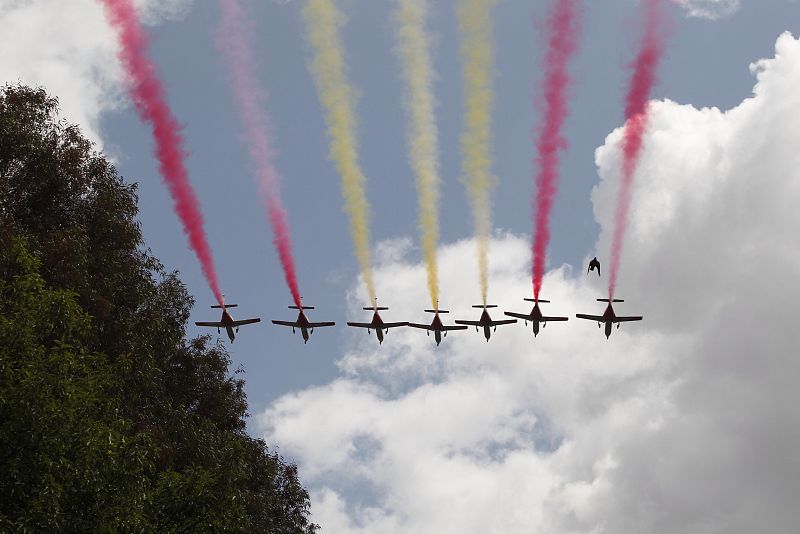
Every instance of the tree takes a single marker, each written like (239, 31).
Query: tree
(63, 444)
(173, 400)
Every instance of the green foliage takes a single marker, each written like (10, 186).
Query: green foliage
(112, 419)
(68, 460)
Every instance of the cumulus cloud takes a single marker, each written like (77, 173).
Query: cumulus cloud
(709, 9)
(70, 50)
(683, 423)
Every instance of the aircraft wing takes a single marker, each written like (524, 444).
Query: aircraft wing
(246, 321)
(548, 319)
(361, 325)
(442, 329)
(320, 325)
(205, 323)
(286, 323)
(471, 323)
(590, 317)
(518, 315)
(393, 325)
(626, 319)
(504, 321)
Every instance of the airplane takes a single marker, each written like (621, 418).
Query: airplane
(436, 325)
(486, 321)
(227, 321)
(377, 323)
(536, 317)
(306, 327)
(609, 317)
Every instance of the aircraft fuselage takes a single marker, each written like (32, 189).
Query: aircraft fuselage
(303, 322)
(608, 319)
(227, 322)
(486, 321)
(377, 324)
(437, 326)
(536, 318)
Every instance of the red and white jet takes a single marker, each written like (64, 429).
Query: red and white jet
(377, 323)
(227, 321)
(609, 317)
(436, 326)
(306, 327)
(536, 317)
(486, 321)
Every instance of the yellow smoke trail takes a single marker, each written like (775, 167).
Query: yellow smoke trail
(414, 51)
(323, 24)
(475, 27)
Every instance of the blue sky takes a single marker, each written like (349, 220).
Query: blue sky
(705, 66)
(648, 432)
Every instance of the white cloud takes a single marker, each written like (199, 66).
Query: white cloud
(684, 423)
(69, 49)
(709, 9)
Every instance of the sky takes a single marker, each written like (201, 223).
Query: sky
(685, 422)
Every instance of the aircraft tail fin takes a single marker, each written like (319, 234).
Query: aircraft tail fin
(301, 307)
(536, 300)
(611, 300)
(217, 306)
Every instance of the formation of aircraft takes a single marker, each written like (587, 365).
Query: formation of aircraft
(306, 327)
(486, 321)
(439, 329)
(436, 326)
(609, 317)
(227, 321)
(377, 323)
(536, 317)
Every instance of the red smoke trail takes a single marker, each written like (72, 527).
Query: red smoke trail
(147, 94)
(562, 28)
(636, 119)
(234, 38)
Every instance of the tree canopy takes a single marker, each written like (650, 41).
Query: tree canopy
(112, 419)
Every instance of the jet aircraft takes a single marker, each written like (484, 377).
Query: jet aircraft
(436, 325)
(609, 317)
(536, 317)
(486, 321)
(227, 321)
(306, 327)
(377, 323)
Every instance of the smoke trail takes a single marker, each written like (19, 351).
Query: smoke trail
(636, 118)
(562, 28)
(414, 50)
(323, 22)
(235, 35)
(147, 94)
(476, 50)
